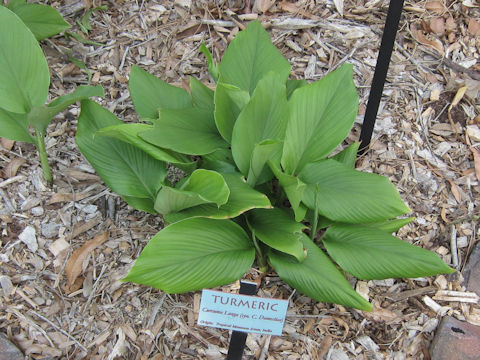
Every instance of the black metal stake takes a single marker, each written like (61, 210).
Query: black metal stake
(381, 69)
(237, 341)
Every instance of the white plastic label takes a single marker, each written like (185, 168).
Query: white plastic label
(242, 312)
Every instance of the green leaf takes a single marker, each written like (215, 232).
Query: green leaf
(249, 57)
(43, 20)
(350, 196)
(321, 116)
(194, 254)
(189, 131)
(84, 21)
(40, 116)
(294, 188)
(229, 102)
(317, 277)
(15, 127)
(201, 187)
(129, 134)
(202, 96)
(81, 65)
(124, 168)
(368, 253)
(24, 73)
(149, 94)
(212, 66)
(348, 156)
(13, 4)
(220, 160)
(267, 150)
(278, 230)
(242, 198)
(142, 204)
(263, 118)
(391, 226)
(293, 84)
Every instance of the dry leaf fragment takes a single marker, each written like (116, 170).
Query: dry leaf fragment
(7, 144)
(262, 5)
(82, 226)
(382, 315)
(81, 176)
(450, 24)
(436, 7)
(12, 167)
(473, 27)
(437, 25)
(60, 197)
(74, 264)
(458, 96)
(422, 39)
(455, 191)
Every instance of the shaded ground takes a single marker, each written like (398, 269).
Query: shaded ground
(420, 143)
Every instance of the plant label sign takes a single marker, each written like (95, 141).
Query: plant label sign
(242, 312)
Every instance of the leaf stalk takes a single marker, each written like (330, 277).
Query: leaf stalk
(40, 135)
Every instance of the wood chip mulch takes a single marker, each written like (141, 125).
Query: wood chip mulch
(64, 248)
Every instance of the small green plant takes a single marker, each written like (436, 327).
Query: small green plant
(259, 177)
(42, 20)
(25, 80)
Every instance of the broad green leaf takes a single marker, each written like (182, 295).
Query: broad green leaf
(24, 73)
(293, 84)
(142, 204)
(321, 116)
(229, 102)
(348, 156)
(194, 254)
(263, 118)
(202, 96)
(43, 20)
(13, 4)
(278, 230)
(150, 93)
(189, 131)
(249, 57)
(317, 277)
(391, 226)
(368, 253)
(15, 127)
(40, 116)
(350, 196)
(201, 187)
(129, 134)
(212, 66)
(126, 169)
(220, 160)
(242, 198)
(294, 188)
(267, 150)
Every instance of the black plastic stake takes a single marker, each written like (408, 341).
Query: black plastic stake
(383, 60)
(237, 341)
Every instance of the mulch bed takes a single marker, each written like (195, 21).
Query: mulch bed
(426, 141)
